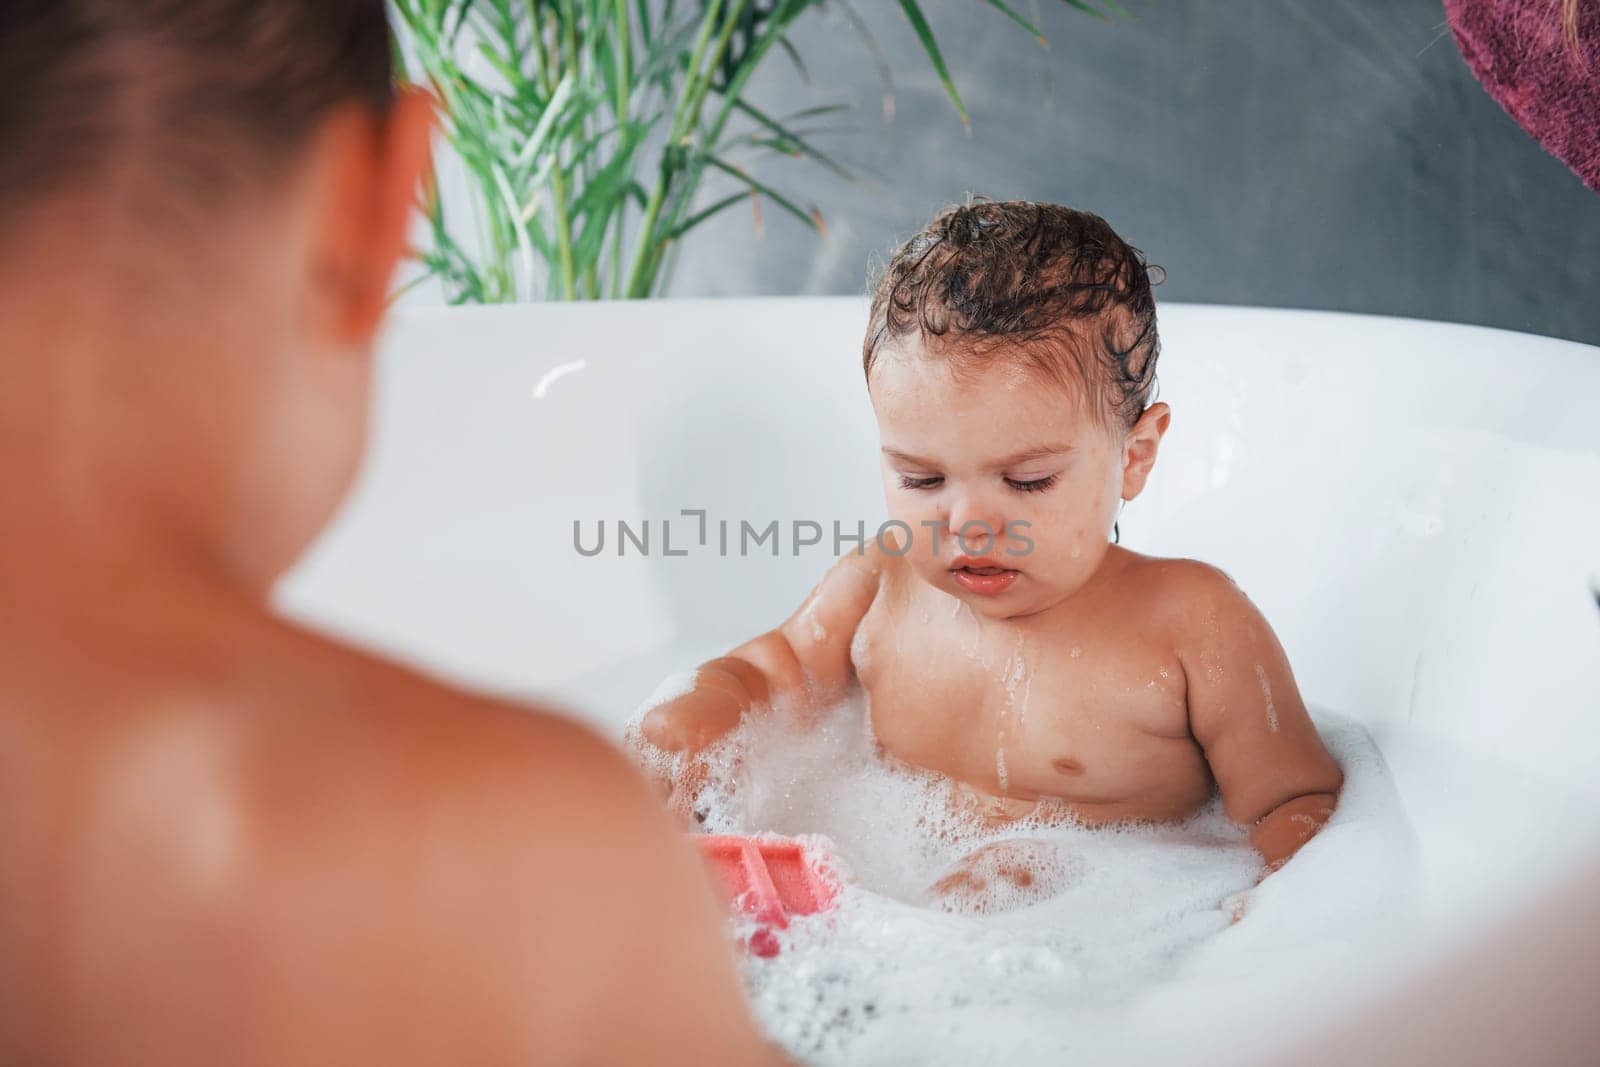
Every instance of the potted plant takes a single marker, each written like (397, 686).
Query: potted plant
(584, 131)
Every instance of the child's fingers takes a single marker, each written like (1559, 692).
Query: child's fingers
(692, 721)
(664, 726)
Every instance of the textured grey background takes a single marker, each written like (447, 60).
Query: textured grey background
(1293, 153)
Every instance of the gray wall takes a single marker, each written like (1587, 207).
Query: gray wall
(1280, 152)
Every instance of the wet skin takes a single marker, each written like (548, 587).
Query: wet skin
(225, 839)
(1075, 679)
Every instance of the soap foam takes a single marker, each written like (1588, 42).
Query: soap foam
(660, 766)
(1041, 966)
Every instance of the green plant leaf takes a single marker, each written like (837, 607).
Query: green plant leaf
(552, 113)
(789, 141)
(1090, 9)
(696, 219)
(930, 44)
(879, 61)
(812, 218)
(609, 186)
(795, 58)
(1014, 16)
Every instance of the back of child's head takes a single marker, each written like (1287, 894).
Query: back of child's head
(174, 102)
(1047, 286)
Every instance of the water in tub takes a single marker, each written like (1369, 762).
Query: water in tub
(1112, 948)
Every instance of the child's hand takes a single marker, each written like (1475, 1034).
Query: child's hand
(679, 776)
(691, 722)
(806, 662)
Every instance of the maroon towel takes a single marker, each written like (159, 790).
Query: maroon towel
(1519, 50)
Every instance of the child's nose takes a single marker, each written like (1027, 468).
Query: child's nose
(977, 525)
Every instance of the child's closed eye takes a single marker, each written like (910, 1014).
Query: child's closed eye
(1032, 485)
(911, 481)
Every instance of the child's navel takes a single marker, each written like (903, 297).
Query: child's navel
(1066, 765)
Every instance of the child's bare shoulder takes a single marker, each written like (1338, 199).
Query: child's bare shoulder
(1186, 594)
(353, 742)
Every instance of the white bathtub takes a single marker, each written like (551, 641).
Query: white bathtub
(1415, 507)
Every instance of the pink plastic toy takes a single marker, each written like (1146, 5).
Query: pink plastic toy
(769, 879)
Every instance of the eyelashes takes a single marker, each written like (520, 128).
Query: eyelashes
(1036, 485)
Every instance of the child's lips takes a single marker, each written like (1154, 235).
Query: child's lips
(984, 577)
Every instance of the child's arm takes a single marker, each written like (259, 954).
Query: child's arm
(1245, 711)
(803, 663)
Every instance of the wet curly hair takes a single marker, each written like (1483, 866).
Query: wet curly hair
(1049, 286)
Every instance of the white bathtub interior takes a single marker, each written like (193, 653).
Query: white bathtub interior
(1414, 506)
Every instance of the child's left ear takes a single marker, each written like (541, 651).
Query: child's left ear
(1140, 447)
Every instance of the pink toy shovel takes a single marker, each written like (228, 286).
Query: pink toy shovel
(768, 879)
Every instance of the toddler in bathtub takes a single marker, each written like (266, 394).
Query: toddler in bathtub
(1002, 639)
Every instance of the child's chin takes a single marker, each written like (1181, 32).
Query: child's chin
(1013, 601)
(993, 607)
(1018, 602)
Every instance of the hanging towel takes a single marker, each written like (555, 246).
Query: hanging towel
(1520, 51)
